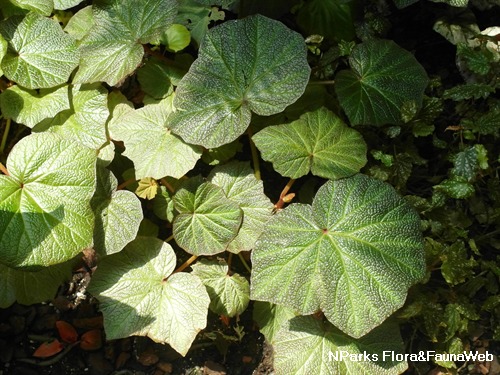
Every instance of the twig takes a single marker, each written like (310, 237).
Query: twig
(283, 195)
(245, 264)
(167, 185)
(255, 156)
(330, 82)
(5, 135)
(125, 184)
(186, 264)
(4, 170)
(165, 59)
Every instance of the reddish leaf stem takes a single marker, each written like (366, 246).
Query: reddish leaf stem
(4, 170)
(283, 195)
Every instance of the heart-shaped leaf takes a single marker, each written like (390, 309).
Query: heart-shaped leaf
(383, 77)
(229, 294)
(48, 349)
(45, 214)
(29, 107)
(112, 49)
(319, 142)
(148, 140)
(67, 332)
(207, 221)
(85, 121)
(40, 54)
(238, 182)
(353, 254)
(243, 66)
(91, 340)
(305, 345)
(139, 296)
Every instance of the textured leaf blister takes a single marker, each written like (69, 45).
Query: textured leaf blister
(40, 54)
(353, 254)
(319, 142)
(250, 65)
(45, 214)
(136, 298)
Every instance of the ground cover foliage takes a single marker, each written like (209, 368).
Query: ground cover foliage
(331, 165)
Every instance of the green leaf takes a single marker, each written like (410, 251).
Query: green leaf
(66, 4)
(466, 163)
(487, 123)
(229, 294)
(40, 54)
(453, 3)
(118, 214)
(197, 17)
(176, 38)
(154, 78)
(138, 295)
(319, 142)
(271, 318)
(3, 51)
(29, 107)
(306, 345)
(238, 182)
(456, 187)
(147, 189)
(469, 91)
(383, 76)
(81, 23)
(163, 205)
(45, 215)
(85, 121)
(112, 49)
(31, 287)
(353, 254)
(218, 155)
(207, 221)
(457, 265)
(243, 66)
(148, 140)
(44, 7)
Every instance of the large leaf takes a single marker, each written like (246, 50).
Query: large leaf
(44, 7)
(207, 221)
(238, 182)
(80, 24)
(353, 254)
(31, 287)
(383, 77)
(319, 142)
(85, 121)
(45, 214)
(244, 66)
(155, 151)
(66, 4)
(138, 295)
(305, 345)
(39, 54)
(118, 214)
(229, 294)
(29, 107)
(112, 49)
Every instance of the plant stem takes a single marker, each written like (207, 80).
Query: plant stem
(186, 264)
(165, 59)
(167, 185)
(330, 82)
(255, 156)
(283, 193)
(229, 260)
(170, 238)
(5, 135)
(245, 264)
(125, 184)
(4, 170)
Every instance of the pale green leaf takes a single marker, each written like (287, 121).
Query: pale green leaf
(353, 254)
(3, 51)
(319, 142)
(66, 4)
(45, 213)
(270, 318)
(229, 294)
(85, 121)
(147, 188)
(112, 49)
(155, 151)
(251, 65)
(28, 288)
(81, 23)
(238, 182)
(176, 38)
(207, 221)
(29, 107)
(383, 76)
(306, 345)
(43, 7)
(118, 214)
(139, 296)
(40, 54)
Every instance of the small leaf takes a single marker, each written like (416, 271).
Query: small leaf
(29, 107)
(251, 65)
(469, 91)
(456, 187)
(43, 7)
(229, 294)
(154, 77)
(112, 56)
(383, 76)
(238, 182)
(357, 226)
(271, 318)
(138, 295)
(81, 23)
(176, 38)
(48, 349)
(319, 142)
(207, 221)
(45, 214)
(91, 340)
(197, 16)
(40, 54)
(66, 332)
(147, 189)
